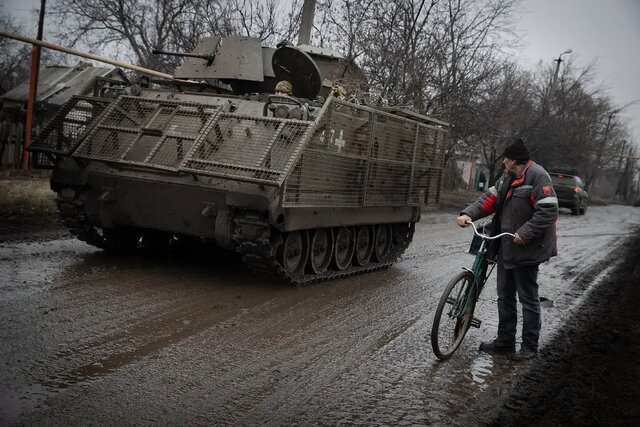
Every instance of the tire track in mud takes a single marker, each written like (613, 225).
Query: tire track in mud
(351, 351)
(306, 370)
(374, 354)
(122, 327)
(304, 357)
(256, 393)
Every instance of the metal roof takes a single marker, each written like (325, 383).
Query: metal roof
(57, 84)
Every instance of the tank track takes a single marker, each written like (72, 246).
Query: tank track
(71, 210)
(71, 207)
(259, 254)
(252, 234)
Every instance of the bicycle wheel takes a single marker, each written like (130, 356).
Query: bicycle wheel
(453, 318)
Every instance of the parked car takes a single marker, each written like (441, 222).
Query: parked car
(571, 193)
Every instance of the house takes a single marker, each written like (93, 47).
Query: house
(56, 85)
(474, 174)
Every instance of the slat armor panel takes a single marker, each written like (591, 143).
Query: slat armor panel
(351, 156)
(248, 148)
(147, 132)
(359, 157)
(70, 124)
(196, 138)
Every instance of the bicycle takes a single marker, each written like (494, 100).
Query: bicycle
(454, 315)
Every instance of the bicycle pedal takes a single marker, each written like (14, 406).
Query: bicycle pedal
(475, 322)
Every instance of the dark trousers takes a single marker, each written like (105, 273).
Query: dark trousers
(522, 281)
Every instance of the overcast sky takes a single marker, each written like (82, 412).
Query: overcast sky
(607, 31)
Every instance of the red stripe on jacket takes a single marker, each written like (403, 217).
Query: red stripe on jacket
(489, 205)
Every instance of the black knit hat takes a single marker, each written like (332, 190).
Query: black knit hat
(518, 150)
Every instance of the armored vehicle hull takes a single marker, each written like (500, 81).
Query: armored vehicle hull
(304, 190)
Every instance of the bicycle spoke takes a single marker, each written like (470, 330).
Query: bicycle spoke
(453, 316)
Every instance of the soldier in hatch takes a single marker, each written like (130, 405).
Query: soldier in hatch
(284, 88)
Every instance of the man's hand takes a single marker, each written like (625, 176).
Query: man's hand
(519, 240)
(462, 220)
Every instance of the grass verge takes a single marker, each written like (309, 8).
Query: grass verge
(27, 200)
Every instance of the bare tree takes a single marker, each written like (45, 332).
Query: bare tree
(132, 29)
(14, 56)
(126, 28)
(577, 126)
(341, 24)
(467, 50)
(502, 110)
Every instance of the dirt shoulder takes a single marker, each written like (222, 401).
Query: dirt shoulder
(588, 374)
(27, 205)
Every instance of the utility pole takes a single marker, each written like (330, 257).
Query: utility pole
(554, 82)
(558, 60)
(308, 11)
(33, 88)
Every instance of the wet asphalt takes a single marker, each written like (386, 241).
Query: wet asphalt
(194, 338)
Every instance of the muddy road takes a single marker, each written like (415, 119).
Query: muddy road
(194, 338)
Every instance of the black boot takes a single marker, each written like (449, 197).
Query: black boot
(497, 347)
(525, 353)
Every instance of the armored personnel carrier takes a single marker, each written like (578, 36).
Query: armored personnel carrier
(305, 187)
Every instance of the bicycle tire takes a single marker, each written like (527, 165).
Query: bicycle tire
(448, 332)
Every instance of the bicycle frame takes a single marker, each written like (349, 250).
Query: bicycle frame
(460, 297)
(481, 272)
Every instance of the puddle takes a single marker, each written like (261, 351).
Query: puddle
(481, 370)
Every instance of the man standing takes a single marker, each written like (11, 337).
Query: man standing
(526, 205)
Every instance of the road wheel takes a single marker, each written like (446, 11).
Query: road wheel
(156, 240)
(345, 246)
(364, 244)
(293, 252)
(121, 238)
(321, 251)
(382, 247)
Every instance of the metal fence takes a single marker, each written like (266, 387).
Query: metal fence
(359, 157)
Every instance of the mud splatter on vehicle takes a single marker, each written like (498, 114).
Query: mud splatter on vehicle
(305, 187)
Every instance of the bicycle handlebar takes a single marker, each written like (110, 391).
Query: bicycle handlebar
(484, 236)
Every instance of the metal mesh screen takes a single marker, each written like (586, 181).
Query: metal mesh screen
(332, 169)
(72, 122)
(43, 160)
(358, 157)
(147, 132)
(254, 149)
(427, 174)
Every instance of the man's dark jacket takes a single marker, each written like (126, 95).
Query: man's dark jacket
(529, 207)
